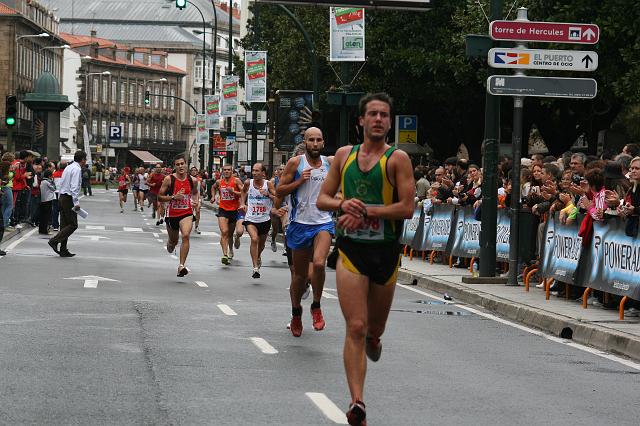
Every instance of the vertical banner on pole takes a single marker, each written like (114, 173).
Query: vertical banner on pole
(255, 76)
(346, 29)
(212, 112)
(202, 137)
(229, 104)
(87, 149)
(503, 234)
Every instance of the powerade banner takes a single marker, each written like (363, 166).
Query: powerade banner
(229, 104)
(255, 76)
(423, 226)
(411, 227)
(293, 117)
(440, 229)
(562, 250)
(612, 261)
(503, 233)
(212, 111)
(346, 30)
(466, 241)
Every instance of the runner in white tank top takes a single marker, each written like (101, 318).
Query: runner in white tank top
(257, 201)
(310, 230)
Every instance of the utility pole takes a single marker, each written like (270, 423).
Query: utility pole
(490, 170)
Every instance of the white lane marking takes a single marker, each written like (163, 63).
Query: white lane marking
(328, 295)
(208, 233)
(95, 227)
(539, 333)
(226, 310)
(328, 408)
(90, 283)
(173, 256)
(156, 235)
(164, 231)
(159, 240)
(14, 244)
(126, 229)
(201, 284)
(264, 347)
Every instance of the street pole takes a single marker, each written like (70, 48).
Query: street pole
(214, 41)
(254, 105)
(344, 109)
(229, 53)
(516, 152)
(490, 171)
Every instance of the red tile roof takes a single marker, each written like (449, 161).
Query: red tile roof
(6, 10)
(81, 40)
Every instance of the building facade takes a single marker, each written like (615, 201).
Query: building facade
(111, 86)
(30, 46)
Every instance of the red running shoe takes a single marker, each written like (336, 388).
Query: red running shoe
(296, 325)
(318, 319)
(357, 416)
(373, 348)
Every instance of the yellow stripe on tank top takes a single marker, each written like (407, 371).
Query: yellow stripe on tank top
(350, 159)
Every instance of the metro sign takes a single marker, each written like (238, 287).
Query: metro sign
(545, 32)
(417, 5)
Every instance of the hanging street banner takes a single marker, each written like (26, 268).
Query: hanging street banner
(255, 76)
(543, 87)
(533, 59)
(229, 103)
(346, 29)
(545, 32)
(202, 137)
(503, 234)
(611, 262)
(416, 5)
(212, 111)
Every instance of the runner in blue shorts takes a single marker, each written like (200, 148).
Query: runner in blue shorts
(310, 230)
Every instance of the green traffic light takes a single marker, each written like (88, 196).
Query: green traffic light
(10, 121)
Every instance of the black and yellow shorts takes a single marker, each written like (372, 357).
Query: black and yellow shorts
(378, 262)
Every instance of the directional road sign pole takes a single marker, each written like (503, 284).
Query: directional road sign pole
(490, 168)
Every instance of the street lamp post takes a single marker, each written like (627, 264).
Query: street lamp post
(86, 107)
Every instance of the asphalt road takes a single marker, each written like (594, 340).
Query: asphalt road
(212, 348)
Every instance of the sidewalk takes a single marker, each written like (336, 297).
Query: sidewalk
(8, 236)
(597, 327)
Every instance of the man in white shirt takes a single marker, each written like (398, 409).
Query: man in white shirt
(69, 191)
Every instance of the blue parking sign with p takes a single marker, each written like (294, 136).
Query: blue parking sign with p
(115, 133)
(408, 122)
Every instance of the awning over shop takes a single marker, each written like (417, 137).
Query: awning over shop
(145, 156)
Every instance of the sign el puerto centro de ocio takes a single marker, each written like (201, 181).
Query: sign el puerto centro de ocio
(561, 60)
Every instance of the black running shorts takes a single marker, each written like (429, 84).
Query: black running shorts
(174, 222)
(262, 227)
(230, 215)
(379, 262)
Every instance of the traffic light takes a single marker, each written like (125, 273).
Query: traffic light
(181, 4)
(11, 110)
(147, 101)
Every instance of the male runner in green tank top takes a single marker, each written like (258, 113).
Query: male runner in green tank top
(377, 184)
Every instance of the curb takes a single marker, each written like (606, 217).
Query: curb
(587, 334)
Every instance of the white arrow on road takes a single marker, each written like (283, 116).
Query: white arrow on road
(91, 281)
(95, 237)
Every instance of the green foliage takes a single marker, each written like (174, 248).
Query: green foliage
(419, 58)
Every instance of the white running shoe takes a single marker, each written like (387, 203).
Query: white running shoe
(307, 291)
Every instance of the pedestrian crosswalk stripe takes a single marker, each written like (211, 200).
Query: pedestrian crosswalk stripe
(127, 229)
(328, 295)
(96, 227)
(201, 284)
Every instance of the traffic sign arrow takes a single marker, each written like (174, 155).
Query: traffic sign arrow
(587, 61)
(589, 34)
(91, 281)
